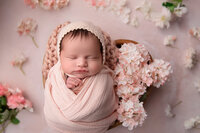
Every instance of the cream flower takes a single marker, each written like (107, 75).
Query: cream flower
(169, 40)
(47, 4)
(197, 85)
(195, 31)
(134, 21)
(179, 11)
(189, 59)
(192, 122)
(19, 62)
(145, 7)
(161, 71)
(28, 27)
(168, 111)
(163, 19)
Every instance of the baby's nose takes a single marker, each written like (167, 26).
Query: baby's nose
(82, 62)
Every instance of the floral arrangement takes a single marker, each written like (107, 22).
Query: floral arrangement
(134, 73)
(28, 27)
(189, 59)
(169, 40)
(12, 102)
(195, 32)
(47, 4)
(19, 62)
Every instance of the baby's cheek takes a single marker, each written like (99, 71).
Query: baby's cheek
(67, 67)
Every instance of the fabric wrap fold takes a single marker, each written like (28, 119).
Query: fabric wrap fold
(92, 110)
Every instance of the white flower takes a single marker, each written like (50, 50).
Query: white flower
(161, 71)
(168, 111)
(162, 20)
(119, 8)
(52, 4)
(19, 62)
(197, 85)
(145, 8)
(128, 105)
(189, 58)
(179, 11)
(169, 40)
(134, 21)
(192, 122)
(195, 31)
(125, 15)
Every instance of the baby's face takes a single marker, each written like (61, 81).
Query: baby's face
(81, 56)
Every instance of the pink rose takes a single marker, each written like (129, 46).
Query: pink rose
(16, 101)
(3, 90)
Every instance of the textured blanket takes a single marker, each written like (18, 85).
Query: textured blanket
(92, 110)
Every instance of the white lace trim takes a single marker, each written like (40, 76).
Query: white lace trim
(81, 25)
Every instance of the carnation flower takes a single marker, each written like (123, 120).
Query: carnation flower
(19, 62)
(11, 103)
(28, 27)
(169, 40)
(189, 59)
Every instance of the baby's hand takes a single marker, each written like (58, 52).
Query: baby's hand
(72, 82)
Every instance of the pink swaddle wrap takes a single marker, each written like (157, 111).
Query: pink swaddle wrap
(92, 110)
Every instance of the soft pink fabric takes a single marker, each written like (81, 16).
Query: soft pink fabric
(92, 110)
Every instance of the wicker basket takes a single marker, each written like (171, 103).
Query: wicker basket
(118, 44)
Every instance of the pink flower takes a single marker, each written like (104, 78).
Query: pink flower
(27, 26)
(3, 90)
(31, 3)
(28, 105)
(16, 101)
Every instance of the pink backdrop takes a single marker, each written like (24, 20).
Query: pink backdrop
(179, 87)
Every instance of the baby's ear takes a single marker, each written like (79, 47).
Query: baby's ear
(50, 57)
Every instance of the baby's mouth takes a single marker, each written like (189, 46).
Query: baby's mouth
(81, 71)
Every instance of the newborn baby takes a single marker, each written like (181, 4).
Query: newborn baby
(79, 90)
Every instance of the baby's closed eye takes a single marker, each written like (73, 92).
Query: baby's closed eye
(93, 57)
(71, 57)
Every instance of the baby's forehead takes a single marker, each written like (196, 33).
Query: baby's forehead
(82, 34)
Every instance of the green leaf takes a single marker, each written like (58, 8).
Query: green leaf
(14, 120)
(167, 4)
(171, 8)
(178, 1)
(3, 101)
(4, 116)
(143, 97)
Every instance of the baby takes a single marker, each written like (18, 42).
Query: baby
(80, 57)
(79, 93)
